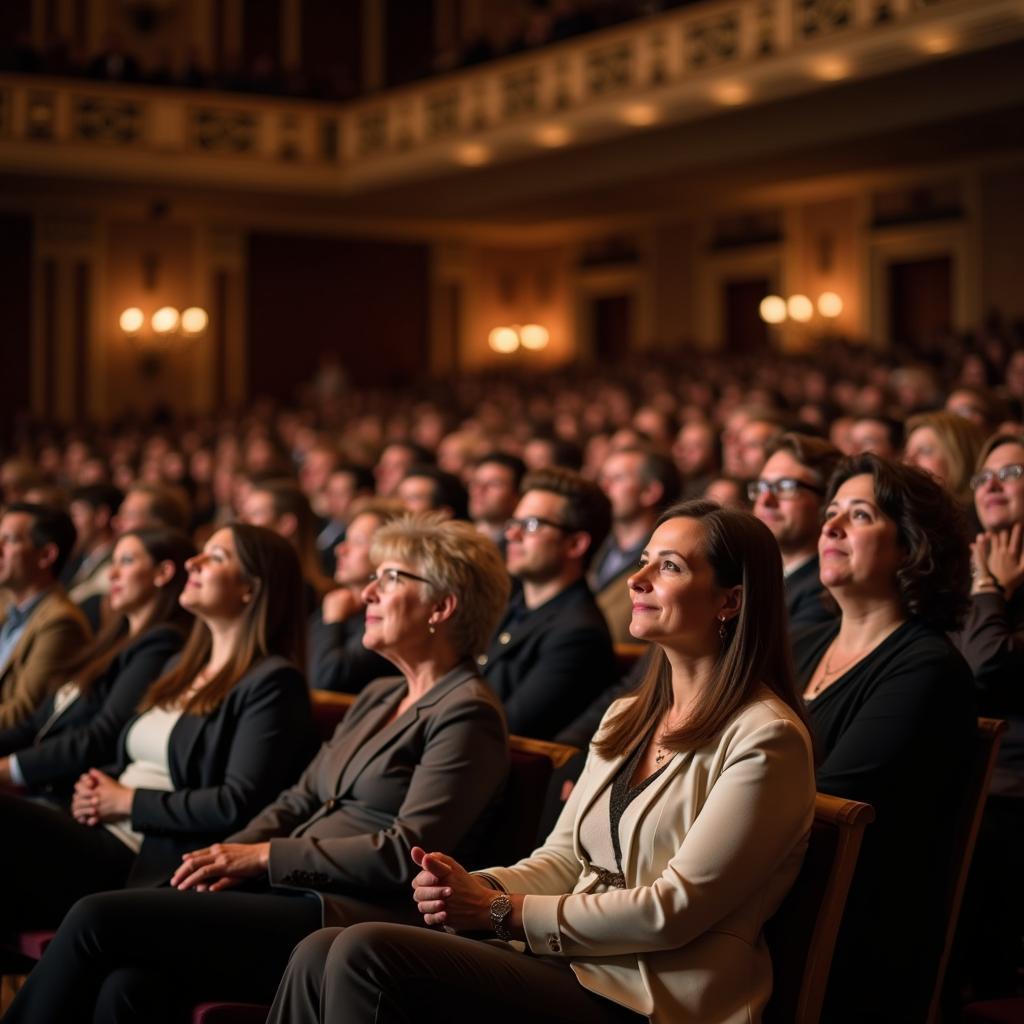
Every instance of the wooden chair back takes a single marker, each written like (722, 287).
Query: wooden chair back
(802, 933)
(627, 655)
(988, 737)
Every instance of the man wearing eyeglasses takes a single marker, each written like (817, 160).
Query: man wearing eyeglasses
(552, 653)
(787, 498)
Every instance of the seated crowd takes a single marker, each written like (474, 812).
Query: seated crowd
(728, 587)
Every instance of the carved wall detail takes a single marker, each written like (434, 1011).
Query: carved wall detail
(225, 131)
(106, 121)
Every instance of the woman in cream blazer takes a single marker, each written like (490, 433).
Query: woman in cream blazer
(680, 840)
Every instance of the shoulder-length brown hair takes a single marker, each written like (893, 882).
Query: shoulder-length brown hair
(754, 655)
(273, 620)
(162, 545)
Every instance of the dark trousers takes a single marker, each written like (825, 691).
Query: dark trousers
(48, 860)
(385, 973)
(147, 955)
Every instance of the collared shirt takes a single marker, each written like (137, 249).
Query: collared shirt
(615, 560)
(14, 625)
(797, 566)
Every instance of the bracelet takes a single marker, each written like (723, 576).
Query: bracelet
(988, 584)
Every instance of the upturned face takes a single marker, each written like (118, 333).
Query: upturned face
(217, 587)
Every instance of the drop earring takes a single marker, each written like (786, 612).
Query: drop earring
(431, 630)
(722, 632)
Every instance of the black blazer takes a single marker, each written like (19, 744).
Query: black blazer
(381, 786)
(53, 752)
(547, 666)
(224, 766)
(807, 601)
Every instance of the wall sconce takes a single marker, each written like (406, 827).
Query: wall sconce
(166, 321)
(506, 340)
(774, 309)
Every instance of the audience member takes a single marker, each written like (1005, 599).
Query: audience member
(891, 705)
(395, 461)
(947, 446)
(639, 485)
(340, 660)
(697, 456)
(877, 434)
(344, 485)
(494, 493)
(41, 630)
(552, 653)
(429, 489)
(787, 497)
(92, 511)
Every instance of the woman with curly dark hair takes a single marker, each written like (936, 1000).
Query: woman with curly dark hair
(891, 704)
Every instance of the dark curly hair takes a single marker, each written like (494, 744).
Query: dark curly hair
(934, 580)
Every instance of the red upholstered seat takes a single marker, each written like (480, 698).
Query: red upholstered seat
(33, 944)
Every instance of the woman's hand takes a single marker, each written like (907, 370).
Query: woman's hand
(221, 866)
(1005, 558)
(99, 798)
(446, 894)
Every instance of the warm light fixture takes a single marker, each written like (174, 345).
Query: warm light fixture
(639, 115)
(504, 340)
(830, 305)
(552, 136)
(773, 309)
(165, 320)
(831, 69)
(938, 43)
(730, 94)
(131, 320)
(534, 336)
(194, 320)
(472, 154)
(800, 308)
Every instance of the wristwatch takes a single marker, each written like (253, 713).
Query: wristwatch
(501, 908)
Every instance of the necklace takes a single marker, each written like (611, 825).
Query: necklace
(828, 672)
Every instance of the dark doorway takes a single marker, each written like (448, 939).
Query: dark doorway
(745, 331)
(920, 301)
(612, 319)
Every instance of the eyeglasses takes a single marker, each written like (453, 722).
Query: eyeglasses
(784, 489)
(531, 524)
(1004, 474)
(388, 579)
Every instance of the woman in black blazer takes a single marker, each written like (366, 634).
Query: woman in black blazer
(419, 758)
(79, 725)
(216, 737)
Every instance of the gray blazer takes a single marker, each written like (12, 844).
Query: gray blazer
(376, 790)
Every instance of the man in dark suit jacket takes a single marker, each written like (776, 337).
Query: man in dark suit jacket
(788, 498)
(552, 653)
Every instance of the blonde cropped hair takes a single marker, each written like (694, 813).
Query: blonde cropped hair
(458, 560)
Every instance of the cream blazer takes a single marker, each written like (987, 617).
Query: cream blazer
(719, 840)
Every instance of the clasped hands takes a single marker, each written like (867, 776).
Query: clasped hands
(221, 866)
(446, 894)
(999, 555)
(98, 798)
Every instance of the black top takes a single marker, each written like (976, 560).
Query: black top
(896, 731)
(623, 793)
(992, 641)
(807, 601)
(547, 664)
(52, 754)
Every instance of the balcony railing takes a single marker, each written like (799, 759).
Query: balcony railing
(671, 67)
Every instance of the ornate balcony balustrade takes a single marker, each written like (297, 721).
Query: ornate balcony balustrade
(661, 70)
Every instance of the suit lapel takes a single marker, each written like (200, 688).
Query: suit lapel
(369, 744)
(36, 619)
(510, 637)
(646, 801)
